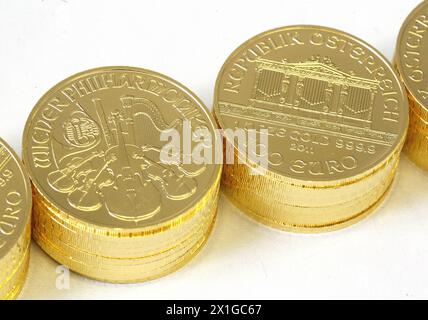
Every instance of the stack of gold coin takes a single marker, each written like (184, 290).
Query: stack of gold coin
(411, 62)
(326, 117)
(116, 196)
(15, 225)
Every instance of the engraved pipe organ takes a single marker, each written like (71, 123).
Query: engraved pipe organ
(314, 90)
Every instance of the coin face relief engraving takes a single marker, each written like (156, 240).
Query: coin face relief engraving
(315, 90)
(333, 107)
(80, 131)
(101, 154)
(15, 195)
(122, 173)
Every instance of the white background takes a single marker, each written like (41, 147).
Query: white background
(384, 256)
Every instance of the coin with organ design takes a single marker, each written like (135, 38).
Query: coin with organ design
(335, 116)
(106, 204)
(411, 62)
(15, 225)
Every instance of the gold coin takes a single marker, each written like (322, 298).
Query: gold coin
(411, 62)
(336, 115)
(15, 226)
(93, 149)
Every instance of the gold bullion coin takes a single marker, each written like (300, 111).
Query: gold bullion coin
(15, 226)
(336, 115)
(411, 61)
(93, 149)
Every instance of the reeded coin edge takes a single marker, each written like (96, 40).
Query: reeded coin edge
(334, 226)
(167, 247)
(21, 277)
(16, 279)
